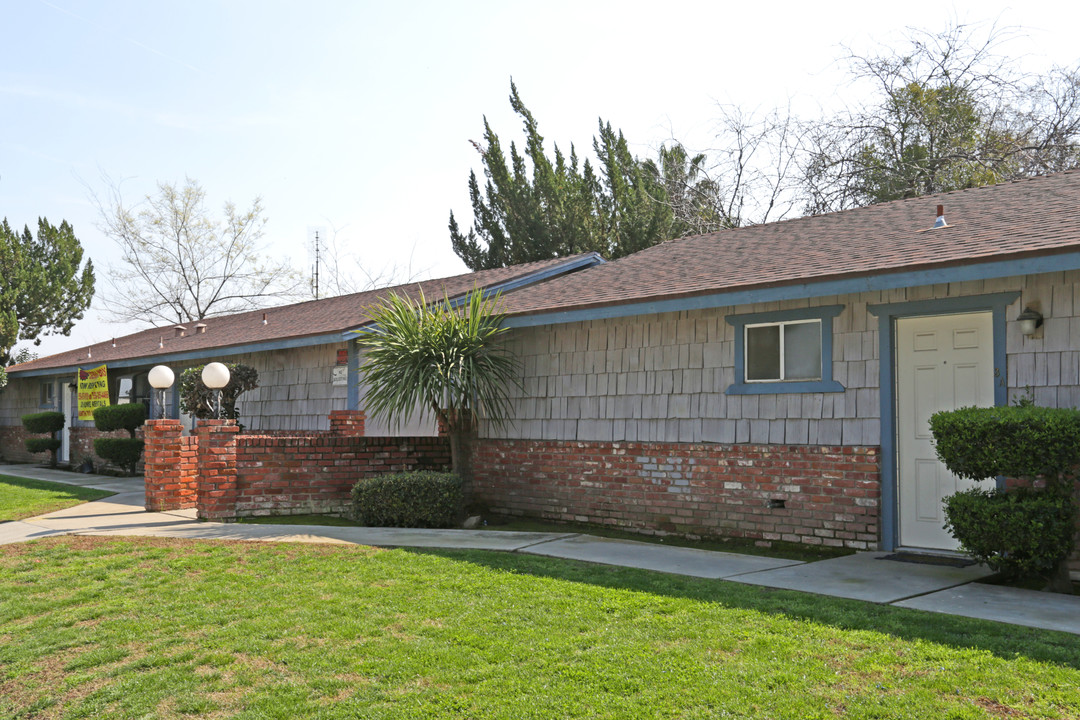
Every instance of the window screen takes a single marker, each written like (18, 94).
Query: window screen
(783, 351)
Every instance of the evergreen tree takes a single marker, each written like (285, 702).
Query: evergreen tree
(534, 208)
(44, 286)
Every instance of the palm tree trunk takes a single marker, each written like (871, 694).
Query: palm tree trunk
(461, 447)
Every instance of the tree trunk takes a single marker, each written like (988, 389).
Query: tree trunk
(461, 446)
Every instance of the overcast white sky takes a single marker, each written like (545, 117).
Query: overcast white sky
(357, 115)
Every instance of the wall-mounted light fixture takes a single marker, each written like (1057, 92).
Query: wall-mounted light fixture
(1030, 321)
(161, 379)
(216, 376)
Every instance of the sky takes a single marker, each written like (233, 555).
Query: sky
(356, 117)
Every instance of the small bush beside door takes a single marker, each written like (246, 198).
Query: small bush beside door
(1026, 531)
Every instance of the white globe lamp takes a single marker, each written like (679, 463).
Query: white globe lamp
(161, 379)
(216, 376)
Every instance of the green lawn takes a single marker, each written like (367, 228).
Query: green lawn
(138, 628)
(21, 498)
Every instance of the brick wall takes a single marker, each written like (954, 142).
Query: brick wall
(830, 493)
(12, 447)
(171, 468)
(292, 476)
(226, 475)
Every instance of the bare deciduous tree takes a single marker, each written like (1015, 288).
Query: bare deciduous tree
(179, 264)
(945, 113)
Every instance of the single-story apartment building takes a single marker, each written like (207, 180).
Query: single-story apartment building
(307, 365)
(774, 382)
(771, 382)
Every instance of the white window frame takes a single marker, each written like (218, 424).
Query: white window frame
(783, 334)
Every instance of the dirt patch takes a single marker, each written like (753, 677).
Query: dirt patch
(999, 710)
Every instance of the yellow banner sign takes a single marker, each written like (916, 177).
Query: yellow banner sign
(93, 391)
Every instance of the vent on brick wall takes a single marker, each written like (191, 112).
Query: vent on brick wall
(776, 503)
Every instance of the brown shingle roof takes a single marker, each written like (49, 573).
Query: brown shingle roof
(305, 319)
(1037, 216)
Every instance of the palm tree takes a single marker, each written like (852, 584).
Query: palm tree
(441, 357)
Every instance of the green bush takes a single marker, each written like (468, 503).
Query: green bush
(1018, 441)
(422, 499)
(125, 452)
(48, 422)
(43, 422)
(1020, 533)
(198, 400)
(128, 417)
(40, 445)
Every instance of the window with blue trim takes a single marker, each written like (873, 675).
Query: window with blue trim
(785, 351)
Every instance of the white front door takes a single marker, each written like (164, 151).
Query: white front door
(943, 362)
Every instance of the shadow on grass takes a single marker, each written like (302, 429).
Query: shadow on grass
(1005, 641)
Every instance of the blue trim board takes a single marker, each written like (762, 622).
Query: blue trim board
(352, 391)
(887, 315)
(215, 353)
(530, 279)
(825, 313)
(863, 283)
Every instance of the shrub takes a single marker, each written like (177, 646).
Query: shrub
(1016, 532)
(1018, 441)
(1020, 533)
(44, 444)
(423, 499)
(198, 400)
(125, 452)
(49, 422)
(43, 422)
(120, 417)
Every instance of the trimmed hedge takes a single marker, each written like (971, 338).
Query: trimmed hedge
(128, 416)
(43, 422)
(422, 499)
(40, 445)
(48, 422)
(125, 452)
(1018, 441)
(1020, 533)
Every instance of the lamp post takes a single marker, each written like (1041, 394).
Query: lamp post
(216, 376)
(161, 379)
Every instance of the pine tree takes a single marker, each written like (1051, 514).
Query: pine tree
(535, 208)
(44, 286)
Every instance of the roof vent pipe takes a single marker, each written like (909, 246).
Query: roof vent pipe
(264, 318)
(940, 221)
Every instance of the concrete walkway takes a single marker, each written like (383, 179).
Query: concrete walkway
(863, 576)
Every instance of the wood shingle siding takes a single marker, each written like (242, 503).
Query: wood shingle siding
(662, 378)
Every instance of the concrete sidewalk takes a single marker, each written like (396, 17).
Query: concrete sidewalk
(865, 576)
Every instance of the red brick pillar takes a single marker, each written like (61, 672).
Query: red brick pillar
(168, 466)
(216, 489)
(347, 423)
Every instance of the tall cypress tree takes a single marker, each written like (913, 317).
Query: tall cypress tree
(44, 286)
(534, 208)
